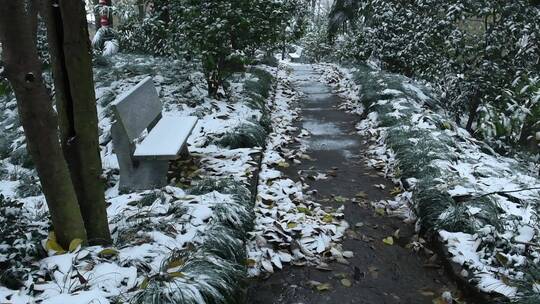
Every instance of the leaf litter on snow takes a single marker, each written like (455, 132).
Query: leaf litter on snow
(289, 228)
(150, 227)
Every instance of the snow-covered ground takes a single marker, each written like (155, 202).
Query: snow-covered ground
(482, 205)
(194, 241)
(186, 241)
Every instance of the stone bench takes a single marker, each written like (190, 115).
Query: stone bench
(144, 140)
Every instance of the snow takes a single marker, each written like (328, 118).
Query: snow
(167, 137)
(285, 217)
(472, 171)
(145, 234)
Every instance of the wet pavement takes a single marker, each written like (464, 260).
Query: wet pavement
(379, 273)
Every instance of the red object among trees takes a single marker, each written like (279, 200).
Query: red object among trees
(104, 17)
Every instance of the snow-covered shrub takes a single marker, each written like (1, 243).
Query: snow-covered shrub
(222, 185)
(105, 42)
(262, 85)
(192, 277)
(257, 92)
(461, 191)
(21, 157)
(4, 172)
(20, 242)
(245, 135)
(28, 185)
(478, 54)
(5, 147)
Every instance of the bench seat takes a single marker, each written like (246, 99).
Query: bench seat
(166, 139)
(144, 165)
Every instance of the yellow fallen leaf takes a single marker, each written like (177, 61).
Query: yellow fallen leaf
(395, 191)
(144, 284)
(340, 199)
(292, 225)
(361, 195)
(251, 262)
(175, 263)
(54, 246)
(304, 210)
(389, 241)
(283, 164)
(324, 287)
(328, 218)
(74, 245)
(108, 252)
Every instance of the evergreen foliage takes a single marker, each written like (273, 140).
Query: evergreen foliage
(419, 153)
(18, 253)
(246, 135)
(223, 35)
(483, 56)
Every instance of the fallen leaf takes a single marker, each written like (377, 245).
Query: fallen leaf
(108, 252)
(251, 262)
(144, 283)
(389, 241)
(328, 218)
(346, 282)
(283, 164)
(74, 245)
(340, 199)
(348, 254)
(323, 266)
(324, 287)
(362, 195)
(380, 211)
(51, 244)
(395, 191)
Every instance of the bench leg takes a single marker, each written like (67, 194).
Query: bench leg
(184, 153)
(148, 175)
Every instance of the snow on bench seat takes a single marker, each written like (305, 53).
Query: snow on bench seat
(166, 140)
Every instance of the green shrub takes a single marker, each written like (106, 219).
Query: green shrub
(5, 147)
(17, 253)
(246, 135)
(28, 186)
(21, 157)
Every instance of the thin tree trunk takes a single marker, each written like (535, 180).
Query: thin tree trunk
(76, 104)
(141, 8)
(23, 70)
(473, 112)
(97, 15)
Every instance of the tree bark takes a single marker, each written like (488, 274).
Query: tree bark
(97, 15)
(39, 121)
(69, 47)
(141, 8)
(473, 112)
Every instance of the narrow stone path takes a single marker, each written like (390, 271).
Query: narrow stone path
(379, 273)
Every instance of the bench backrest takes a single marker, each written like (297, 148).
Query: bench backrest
(137, 108)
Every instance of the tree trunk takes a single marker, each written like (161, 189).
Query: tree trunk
(23, 70)
(473, 112)
(141, 7)
(76, 104)
(97, 15)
